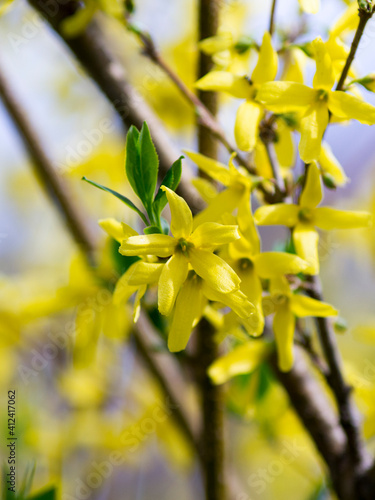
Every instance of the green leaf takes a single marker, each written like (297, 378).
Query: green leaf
(47, 494)
(142, 164)
(121, 197)
(171, 180)
(152, 230)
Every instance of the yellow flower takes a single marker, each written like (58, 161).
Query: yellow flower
(252, 266)
(331, 166)
(227, 52)
(186, 247)
(190, 305)
(250, 112)
(286, 306)
(306, 215)
(310, 6)
(315, 103)
(245, 358)
(238, 182)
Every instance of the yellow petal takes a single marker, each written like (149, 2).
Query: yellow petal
(205, 188)
(283, 327)
(248, 117)
(303, 306)
(266, 67)
(188, 308)
(251, 286)
(330, 218)
(246, 224)
(216, 43)
(279, 213)
(310, 6)
(224, 203)
(123, 291)
(347, 106)
(306, 240)
(236, 300)
(262, 161)
(284, 147)
(324, 77)
(313, 125)
(113, 228)
(213, 168)
(294, 65)
(128, 231)
(172, 277)
(150, 244)
(271, 264)
(137, 302)
(181, 217)
(144, 273)
(218, 274)
(213, 235)
(243, 359)
(224, 81)
(312, 192)
(330, 165)
(286, 97)
(347, 21)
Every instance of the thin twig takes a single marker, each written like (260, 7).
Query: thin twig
(272, 17)
(349, 417)
(206, 117)
(364, 17)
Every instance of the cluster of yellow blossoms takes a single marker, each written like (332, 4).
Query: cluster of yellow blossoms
(213, 262)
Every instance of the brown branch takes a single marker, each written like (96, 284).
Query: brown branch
(45, 171)
(320, 421)
(349, 417)
(207, 350)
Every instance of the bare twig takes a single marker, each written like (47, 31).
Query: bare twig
(348, 413)
(272, 17)
(204, 104)
(364, 16)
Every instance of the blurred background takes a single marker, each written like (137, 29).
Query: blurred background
(72, 414)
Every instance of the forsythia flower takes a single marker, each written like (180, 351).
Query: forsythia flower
(226, 51)
(310, 6)
(252, 266)
(238, 182)
(250, 112)
(190, 305)
(306, 215)
(183, 248)
(286, 306)
(315, 103)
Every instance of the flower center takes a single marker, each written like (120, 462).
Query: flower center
(245, 264)
(280, 299)
(184, 246)
(322, 95)
(306, 215)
